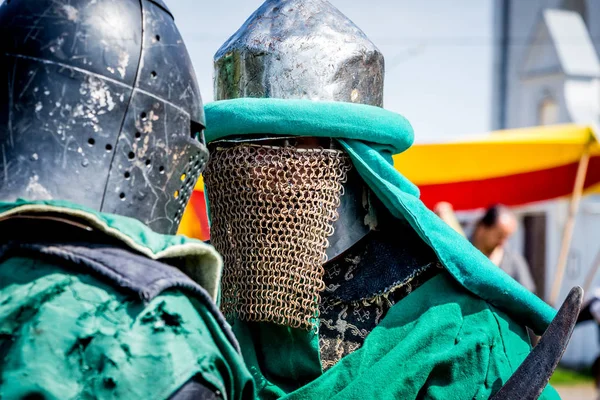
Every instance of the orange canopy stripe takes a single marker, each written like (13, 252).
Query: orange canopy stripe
(498, 154)
(194, 222)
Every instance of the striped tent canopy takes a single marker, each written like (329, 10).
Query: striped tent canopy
(513, 167)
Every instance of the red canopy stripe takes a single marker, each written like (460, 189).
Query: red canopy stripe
(512, 190)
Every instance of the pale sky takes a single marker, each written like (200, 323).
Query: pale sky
(438, 54)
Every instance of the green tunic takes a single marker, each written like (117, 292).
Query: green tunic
(440, 342)
(67, 335)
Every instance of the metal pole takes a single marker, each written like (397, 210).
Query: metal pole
(570, 224)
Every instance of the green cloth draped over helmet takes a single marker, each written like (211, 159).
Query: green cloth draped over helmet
(371, 136)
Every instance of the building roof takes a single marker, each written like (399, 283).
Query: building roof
(572, 42)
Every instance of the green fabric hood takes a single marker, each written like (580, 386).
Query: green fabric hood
(371, 135)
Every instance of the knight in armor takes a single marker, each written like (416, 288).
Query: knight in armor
(338, 282)
(101, 143)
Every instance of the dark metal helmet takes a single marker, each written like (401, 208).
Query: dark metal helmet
(99, 105)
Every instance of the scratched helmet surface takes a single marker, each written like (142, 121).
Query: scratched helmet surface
(99, 105)
(300, 49)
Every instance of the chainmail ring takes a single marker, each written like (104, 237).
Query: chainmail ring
(272, 210)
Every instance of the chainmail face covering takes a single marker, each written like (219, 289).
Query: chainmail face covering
(272, 209)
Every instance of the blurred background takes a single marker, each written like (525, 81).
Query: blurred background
(469, 74)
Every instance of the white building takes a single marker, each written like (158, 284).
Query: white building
(546, 71)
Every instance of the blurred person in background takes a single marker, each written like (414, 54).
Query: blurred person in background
(491, 235)
(445, 211)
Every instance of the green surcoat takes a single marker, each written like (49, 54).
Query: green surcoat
(440, 342)
(67, 335)
(460, 335)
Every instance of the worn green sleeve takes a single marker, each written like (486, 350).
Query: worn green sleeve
(440, 342)
(67, 336)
